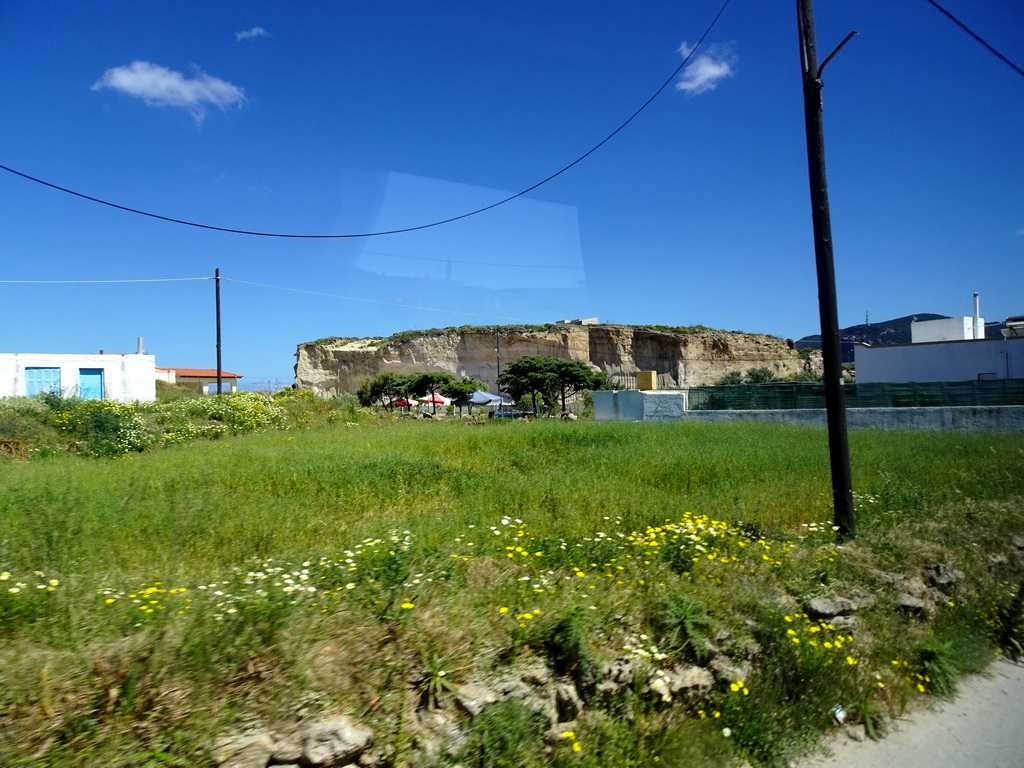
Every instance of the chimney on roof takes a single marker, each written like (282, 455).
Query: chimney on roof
(979, 326)
(140, 350)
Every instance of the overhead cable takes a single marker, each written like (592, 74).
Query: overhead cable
(148, 280)
(977, 37)
(510, 198)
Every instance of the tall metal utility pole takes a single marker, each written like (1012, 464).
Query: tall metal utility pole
(835, 405)
(220, 368)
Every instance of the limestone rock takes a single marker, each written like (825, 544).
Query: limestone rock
(728, 670)
(914, 606)
(287, 749)
(619, 673)
(436, 732)
(855, 731)
(941, 575)
(473, 697)
(250, 751)
(335, 742)
(331, 366)
(687, 679)
(537, 676)
(568, 703)
(823, 608)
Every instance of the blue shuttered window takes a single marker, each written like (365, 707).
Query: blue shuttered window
(39, 380)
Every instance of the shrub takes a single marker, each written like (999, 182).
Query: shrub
(505, 735)
(732, 378)
(102, 428)
(238, 411)
(685, 625)
(761, 375)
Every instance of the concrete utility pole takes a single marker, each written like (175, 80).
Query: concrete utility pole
(835, 405)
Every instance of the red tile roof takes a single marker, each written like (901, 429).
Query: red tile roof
(201, 373)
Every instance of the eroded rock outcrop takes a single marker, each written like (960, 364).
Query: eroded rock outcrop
(682, 359)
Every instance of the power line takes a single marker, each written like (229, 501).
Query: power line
(977, 37)
(149, 280)
(510, 198)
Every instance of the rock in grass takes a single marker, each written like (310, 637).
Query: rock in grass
(914, 606)
(250, 751)
(473, 697)
(335, 742)
(728, 670)
(436, 732)
(537, 676)
(287, 750)
(568, 703)
(617, 676)
(822, 608)
(941, 575)
(688, 680)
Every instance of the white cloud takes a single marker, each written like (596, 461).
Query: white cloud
(705, 71)
(162, 87)
(249, 34)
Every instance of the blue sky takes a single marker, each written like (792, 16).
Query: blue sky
(345, 117)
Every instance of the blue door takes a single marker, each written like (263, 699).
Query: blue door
(90, 383)
(39, 380)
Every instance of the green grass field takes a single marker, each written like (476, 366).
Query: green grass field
(152, 602)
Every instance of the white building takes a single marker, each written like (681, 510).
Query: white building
(947, 329)
(121, 377)
(941, 360)
(202, 379)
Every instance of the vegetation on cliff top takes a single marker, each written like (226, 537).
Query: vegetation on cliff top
(406, 336)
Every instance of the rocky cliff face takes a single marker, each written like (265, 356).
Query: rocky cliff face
(699, 358)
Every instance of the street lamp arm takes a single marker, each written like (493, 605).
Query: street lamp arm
(838, 47)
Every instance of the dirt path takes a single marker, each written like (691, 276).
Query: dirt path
(982, 727)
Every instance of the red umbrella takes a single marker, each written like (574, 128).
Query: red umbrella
(435, 398)
(403, 403)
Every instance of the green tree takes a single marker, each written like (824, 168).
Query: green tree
(761, 375)
(530, 375)
(382, 389)
(572, 376)
(432, 382)
(730, 379)
(463, 388)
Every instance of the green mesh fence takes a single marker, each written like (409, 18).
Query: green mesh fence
(789, 395)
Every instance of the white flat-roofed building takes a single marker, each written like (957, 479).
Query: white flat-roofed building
(941, 361)
(121, 377)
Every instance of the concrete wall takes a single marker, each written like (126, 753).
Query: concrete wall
(941, 361)
(126, 378)
(634, 405)
(978, 418)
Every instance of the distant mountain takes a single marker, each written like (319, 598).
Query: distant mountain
(886, 333)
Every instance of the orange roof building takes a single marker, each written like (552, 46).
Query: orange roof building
(203, 379)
